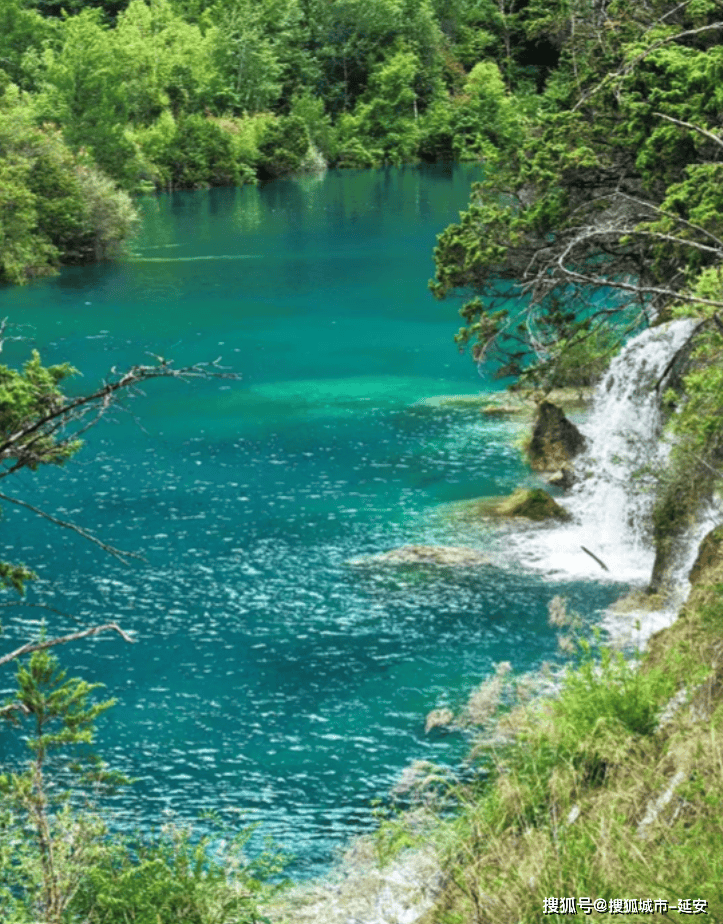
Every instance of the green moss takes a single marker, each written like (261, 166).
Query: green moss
(532, 503)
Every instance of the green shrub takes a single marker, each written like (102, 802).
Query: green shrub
(200, 154)
(613, 690)
(55, 206)
(283, 146)
(174, 879)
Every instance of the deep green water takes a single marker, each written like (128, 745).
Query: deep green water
(271, 678)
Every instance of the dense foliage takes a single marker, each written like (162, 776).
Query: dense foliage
(606, 216)
(608, 210)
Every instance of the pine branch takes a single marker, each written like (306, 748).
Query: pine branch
(101, 399)
(631, 65)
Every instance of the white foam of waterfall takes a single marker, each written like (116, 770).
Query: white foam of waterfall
(635, 627)
(613, 497)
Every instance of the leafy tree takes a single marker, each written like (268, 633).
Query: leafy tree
(198, 153)
(162, 61)
(82, 92)
(310, 109)
(357, 36)
(257, 46)
(22, 34)
(248, 63)
(283, 146)
(483, 121)
(389, 119)
(595, 197)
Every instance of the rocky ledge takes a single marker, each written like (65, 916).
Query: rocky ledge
(363, 891)
(439, 555)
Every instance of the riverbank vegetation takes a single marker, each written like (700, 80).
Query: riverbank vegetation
(607, 797)
(168, 94)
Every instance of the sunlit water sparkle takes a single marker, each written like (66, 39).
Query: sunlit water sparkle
(272, 681)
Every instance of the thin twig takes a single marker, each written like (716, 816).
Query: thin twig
(695, 128)
(40, 606)
(6, 711)
(117, 553)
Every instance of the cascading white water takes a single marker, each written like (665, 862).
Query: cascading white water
(612, 501)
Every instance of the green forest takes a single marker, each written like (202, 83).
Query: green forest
(101, 100)
(598, 123)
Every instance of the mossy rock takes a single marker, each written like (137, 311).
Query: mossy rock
(533, 504)
(528, 503)
(709, 559)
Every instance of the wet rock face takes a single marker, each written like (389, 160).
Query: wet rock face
(555, 440)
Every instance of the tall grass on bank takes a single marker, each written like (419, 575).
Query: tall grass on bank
(611, 791)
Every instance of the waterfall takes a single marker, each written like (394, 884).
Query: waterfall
(613, 496)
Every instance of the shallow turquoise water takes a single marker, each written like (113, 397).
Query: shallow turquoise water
(271, 677)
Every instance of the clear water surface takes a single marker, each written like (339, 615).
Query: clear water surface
(272, 681)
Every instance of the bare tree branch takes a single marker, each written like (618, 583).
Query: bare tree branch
(8, 710)
(40, 606)
(695, 128)
(62, 640)
(116, 553)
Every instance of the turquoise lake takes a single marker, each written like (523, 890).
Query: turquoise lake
(273, 682)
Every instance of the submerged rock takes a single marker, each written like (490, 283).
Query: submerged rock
(555, 440)
(438, 718)
(441, 555)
